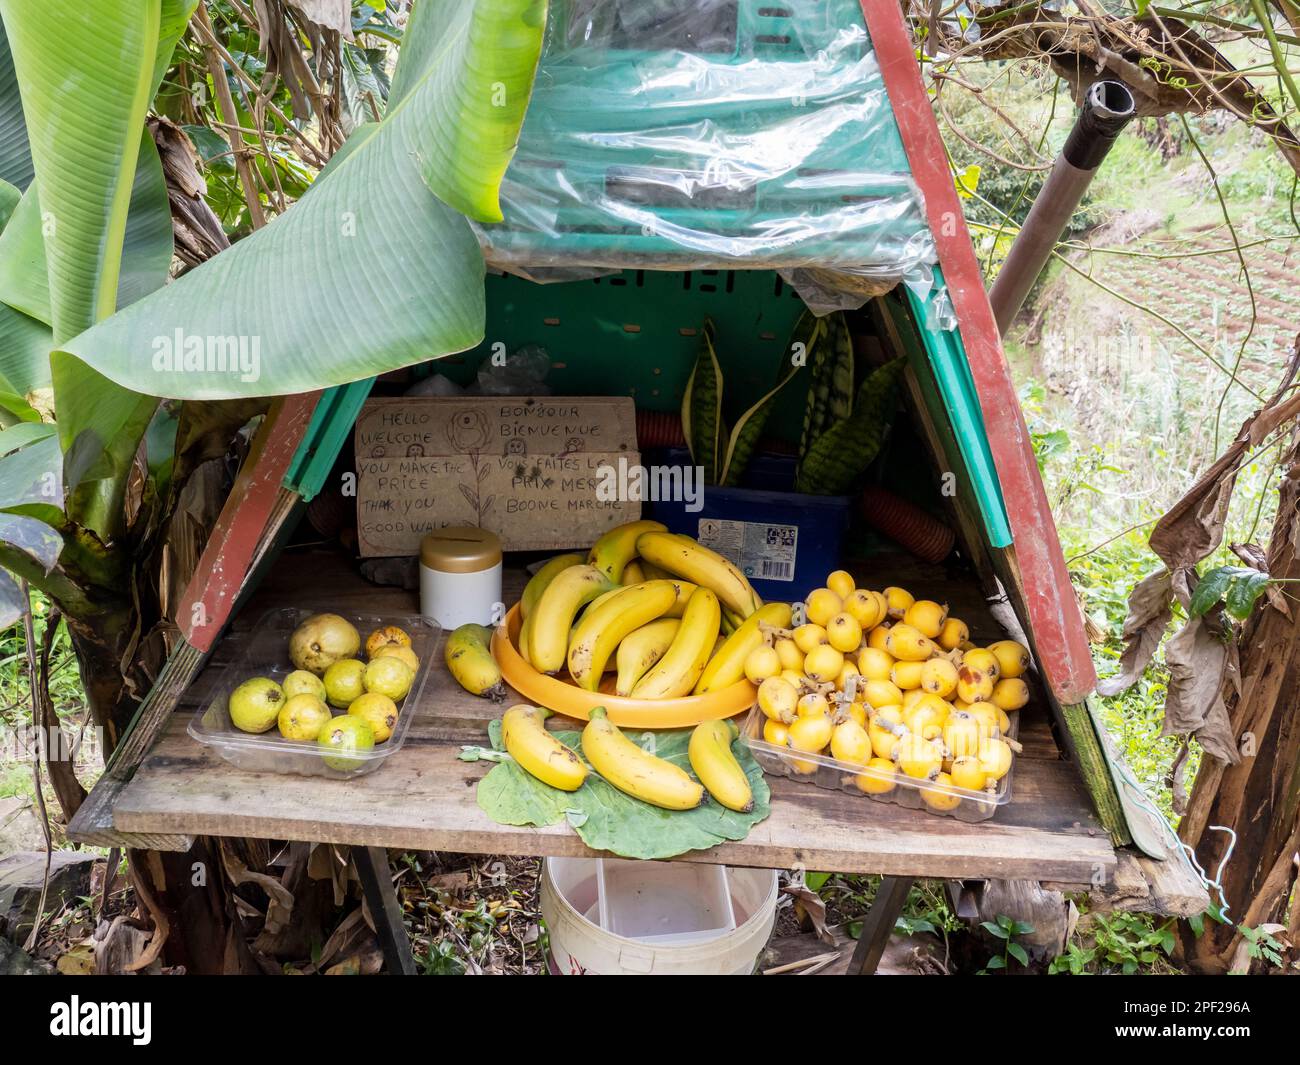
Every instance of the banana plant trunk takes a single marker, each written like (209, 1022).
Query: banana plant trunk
(111, 672)
(1259, 798)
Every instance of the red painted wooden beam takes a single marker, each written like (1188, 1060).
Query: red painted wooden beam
(1054, 615)
(241, 526)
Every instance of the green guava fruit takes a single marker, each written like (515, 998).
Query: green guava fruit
(302, 717)
(255, 704)
(301, 682)
(322, 640)
(388, 676)
(344, 682)
(344, 735)
(378, 711)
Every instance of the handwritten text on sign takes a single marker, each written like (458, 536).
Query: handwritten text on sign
(525, 468)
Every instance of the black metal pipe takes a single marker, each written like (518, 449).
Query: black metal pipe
(1108, 107)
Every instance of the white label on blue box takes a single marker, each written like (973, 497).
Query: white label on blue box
(762, 551)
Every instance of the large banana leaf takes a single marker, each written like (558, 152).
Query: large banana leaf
(85, 136)
(12, 603)
(146, 250)
(15, 156)
(369, 271)
(23, 284)
(23, 433)
(493, 49)
(100, 428)
(24, 342)
(30, 481)
(24, 353)
(30, 492)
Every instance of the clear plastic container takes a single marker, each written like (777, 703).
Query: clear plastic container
(842, 776)
(266, 654)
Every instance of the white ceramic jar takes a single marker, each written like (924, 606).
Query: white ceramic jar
(460, 576)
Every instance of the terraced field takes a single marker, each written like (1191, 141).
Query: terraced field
(1130, 374)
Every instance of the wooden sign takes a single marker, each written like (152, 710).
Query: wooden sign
(533, 469)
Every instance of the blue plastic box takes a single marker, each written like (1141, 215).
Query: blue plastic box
(784, 542)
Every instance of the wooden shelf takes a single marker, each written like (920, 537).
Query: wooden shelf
(424, 796)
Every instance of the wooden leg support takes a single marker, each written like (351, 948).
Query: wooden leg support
(385, 910)
(879, 924)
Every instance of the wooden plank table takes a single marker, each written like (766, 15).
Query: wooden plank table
(423, 798)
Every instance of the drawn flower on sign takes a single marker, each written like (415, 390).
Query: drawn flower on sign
(468, 430)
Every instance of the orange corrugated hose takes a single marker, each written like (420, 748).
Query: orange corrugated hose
(907, 525)
(659, 428)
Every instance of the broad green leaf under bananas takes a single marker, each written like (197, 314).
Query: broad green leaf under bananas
(369, 271)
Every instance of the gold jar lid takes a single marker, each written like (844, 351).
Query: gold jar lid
(460, 549)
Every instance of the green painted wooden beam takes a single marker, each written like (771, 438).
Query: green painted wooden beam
(330, 425)
(947, 357)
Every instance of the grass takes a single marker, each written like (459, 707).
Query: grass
(68, 695)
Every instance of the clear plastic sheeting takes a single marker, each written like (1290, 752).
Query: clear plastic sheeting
(713, 134)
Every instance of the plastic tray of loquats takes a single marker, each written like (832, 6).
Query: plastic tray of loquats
(884, 696)
(319, 694)
(881, 785)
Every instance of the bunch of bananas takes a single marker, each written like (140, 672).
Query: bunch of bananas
(892, 684)
(626, 766)
(668, 616)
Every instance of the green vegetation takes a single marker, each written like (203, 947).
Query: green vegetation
(1117, 943)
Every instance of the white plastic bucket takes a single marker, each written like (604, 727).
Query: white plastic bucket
(571, 905)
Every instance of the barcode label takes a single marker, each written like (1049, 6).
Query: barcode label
(764, 551)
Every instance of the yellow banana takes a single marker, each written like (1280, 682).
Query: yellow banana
(653, 572)
(538, 752)
(684, 590)
(642, 649)
(601, 630)
(675, 674)
(717, 768)
(551, 618)
(728, 666)
(468, 656)
(524, 631)
(593, 605)
(613, 551)
(633, 573)
(636, 772)
(539, 581)
(695, 562)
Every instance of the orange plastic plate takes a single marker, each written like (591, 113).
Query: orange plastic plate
(567, 698)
